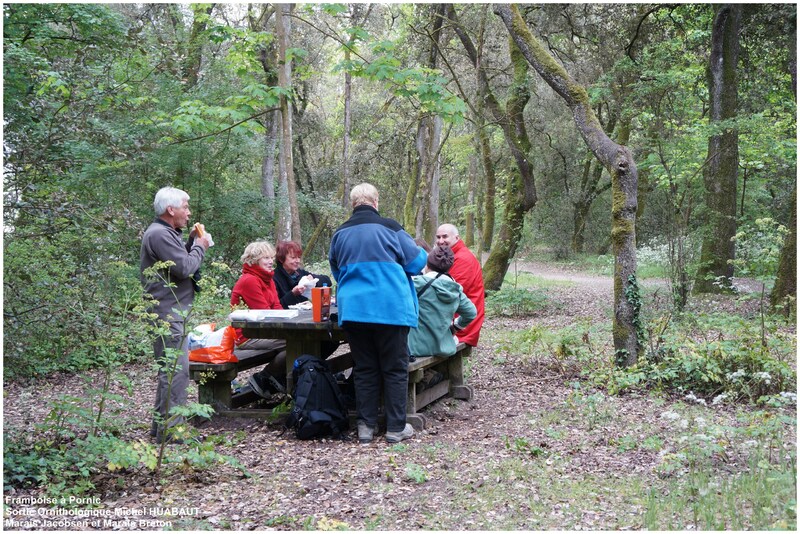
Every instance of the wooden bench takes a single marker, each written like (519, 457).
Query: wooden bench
(452, 383)
(214, 383)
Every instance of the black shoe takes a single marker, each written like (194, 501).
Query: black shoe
(276, 386)
(264, 384)
(259, 385)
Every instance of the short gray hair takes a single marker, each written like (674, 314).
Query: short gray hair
(169, 197)
(257, 250)
(363, 194)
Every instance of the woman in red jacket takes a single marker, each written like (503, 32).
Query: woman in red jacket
(256, 290)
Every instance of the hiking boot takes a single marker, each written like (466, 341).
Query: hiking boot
(395, 437)
(365, 432)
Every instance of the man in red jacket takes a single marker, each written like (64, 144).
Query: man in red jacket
(466, 271)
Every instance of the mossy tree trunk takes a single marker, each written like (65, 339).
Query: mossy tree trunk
(490, 182)
(784, 293)
(618, 160)
(286, 229)
(719, 177)
(521, 187)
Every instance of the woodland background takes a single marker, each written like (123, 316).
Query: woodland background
(267, 114)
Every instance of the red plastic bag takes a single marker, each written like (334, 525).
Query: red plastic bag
(222, 353)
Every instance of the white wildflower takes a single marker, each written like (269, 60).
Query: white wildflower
(691, 396)
(740, 373)
(683, 423)
(763, 376)
(750, 443)
(700, 422)
(788, 395)
(670, 416)
(720, 398)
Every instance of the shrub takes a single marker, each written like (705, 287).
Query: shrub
(711, 355)
(515, 302)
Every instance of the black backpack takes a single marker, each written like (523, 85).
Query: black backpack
(319, 409)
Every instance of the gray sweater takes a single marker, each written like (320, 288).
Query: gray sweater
(161, 242)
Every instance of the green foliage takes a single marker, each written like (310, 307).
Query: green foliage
(426, 87)
(758, 248)
(522, 445)
(716, 356)
(515, 302)
(567, 351)
(700, 495)
(416, 473)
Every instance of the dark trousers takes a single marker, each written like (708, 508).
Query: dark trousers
(380, 357)
(169, 395)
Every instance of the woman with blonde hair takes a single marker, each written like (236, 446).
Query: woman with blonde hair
(255, 289)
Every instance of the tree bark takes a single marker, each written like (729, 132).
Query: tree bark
(469, 222)
(194, 56)
(784, 293)
(271, 119)
(521, 194)
(348, 88)
(283, 27)
(619, 162)
(719, 177)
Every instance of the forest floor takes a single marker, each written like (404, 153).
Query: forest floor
(533, 450)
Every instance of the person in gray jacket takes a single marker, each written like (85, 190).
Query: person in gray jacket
(440, 297)
(173, 288)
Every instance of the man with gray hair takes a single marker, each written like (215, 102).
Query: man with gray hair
(373, 259)
(172, 289)
(466, 270)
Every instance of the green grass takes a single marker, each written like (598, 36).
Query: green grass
(522, 279)
(762, 498)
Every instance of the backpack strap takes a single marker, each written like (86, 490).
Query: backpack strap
(426, 286)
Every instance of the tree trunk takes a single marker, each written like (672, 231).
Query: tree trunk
(194, 56)
(521, 194)
(784, 293)
(514, 215)
(348, 83)
(283, 27)
(490, 181)
(469, 223)
(618, 160)
(268, 161)
(720, 175)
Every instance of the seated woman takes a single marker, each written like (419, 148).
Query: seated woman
(256, 290)
(288, 282)
(440, 297)
(289, 275)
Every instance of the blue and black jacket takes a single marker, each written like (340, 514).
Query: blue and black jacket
(372, 259)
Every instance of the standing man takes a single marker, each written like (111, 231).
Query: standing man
(466, 270)
(372, 259)
(173, 288)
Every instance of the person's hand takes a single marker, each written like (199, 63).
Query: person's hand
(303, 283)
(205, 241)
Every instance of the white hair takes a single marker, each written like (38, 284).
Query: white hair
(169, 197)
(363, 194)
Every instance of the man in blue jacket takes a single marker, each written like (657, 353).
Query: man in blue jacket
(372, 259)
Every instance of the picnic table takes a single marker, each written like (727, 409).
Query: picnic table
(304, 336)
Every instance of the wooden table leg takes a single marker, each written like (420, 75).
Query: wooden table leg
(294, 349)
